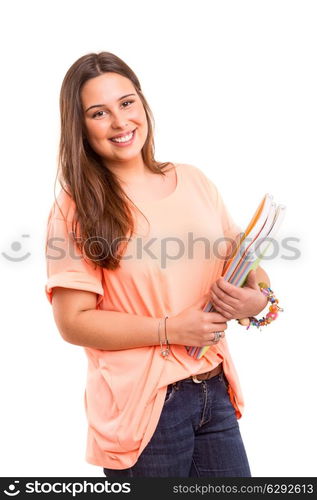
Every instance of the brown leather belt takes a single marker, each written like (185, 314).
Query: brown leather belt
(207, 375)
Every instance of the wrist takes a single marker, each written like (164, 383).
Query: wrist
(263, 301)
(274, 309)
(162, 337)
(172, 330)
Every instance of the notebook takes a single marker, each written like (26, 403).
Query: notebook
(250, 248)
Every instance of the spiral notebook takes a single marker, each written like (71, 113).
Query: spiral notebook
(250, 249)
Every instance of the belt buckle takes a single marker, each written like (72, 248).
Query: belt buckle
(195, 379)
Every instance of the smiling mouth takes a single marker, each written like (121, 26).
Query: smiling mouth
(123, 139)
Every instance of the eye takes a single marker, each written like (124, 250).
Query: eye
(98, 114)
(127, 102)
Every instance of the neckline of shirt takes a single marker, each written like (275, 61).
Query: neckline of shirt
(169, 196)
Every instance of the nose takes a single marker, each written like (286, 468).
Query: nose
(118, 120)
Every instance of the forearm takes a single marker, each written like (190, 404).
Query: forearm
(112, 330)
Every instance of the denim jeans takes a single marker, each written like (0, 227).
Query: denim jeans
(197, 435)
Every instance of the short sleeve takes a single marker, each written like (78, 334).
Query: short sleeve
(231, 230)
(66, 266)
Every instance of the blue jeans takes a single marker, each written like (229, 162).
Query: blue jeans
(197, 435)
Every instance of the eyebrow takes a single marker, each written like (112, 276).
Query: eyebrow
(100, 105)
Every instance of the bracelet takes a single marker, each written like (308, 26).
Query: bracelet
(270, 316)
(164, 352)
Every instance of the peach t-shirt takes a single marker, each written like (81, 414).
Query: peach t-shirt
(165, 268)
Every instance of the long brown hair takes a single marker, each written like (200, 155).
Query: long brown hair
(102, 207)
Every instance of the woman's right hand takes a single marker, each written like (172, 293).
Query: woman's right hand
(194, 327)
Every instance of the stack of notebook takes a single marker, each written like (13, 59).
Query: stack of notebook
(250, 249)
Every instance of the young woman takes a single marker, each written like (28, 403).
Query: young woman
(135, 250)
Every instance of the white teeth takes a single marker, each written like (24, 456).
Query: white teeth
(125, 138)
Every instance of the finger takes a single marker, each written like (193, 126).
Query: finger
(230, 289)
(220, 310)
(218, 293)
(227, 315)
(217, 327)
(221, 306)
(215, 317)
(215, 337)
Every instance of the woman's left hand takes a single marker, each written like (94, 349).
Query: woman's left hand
(235, 302)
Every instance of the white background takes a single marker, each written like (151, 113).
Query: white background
(232, 85)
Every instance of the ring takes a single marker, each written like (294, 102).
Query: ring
(217, 336)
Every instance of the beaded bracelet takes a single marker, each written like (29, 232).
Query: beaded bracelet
(270, 316)
(164, 352)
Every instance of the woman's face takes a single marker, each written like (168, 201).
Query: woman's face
(112, 107)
